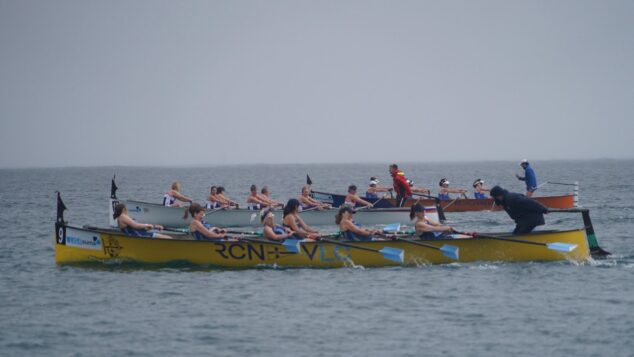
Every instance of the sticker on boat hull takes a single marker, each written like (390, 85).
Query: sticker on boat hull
(83, 240)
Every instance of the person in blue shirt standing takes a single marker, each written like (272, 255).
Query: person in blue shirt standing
(529, 178)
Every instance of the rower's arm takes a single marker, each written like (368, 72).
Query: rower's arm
(361, 201)
(180, 196)
(270, 234)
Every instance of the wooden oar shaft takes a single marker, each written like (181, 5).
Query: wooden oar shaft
(515, 240)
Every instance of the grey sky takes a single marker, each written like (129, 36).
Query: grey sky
(220, 82)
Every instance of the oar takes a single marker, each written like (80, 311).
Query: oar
(593, 244)
(558, 246)
(447, 250)
(452, 202)
(394, 254)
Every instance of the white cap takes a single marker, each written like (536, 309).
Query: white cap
(524, 162)
(410, 182)
(374, 182)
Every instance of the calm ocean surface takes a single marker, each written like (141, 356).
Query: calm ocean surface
(479, 309)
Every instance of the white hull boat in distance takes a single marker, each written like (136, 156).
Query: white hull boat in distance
(172, 217)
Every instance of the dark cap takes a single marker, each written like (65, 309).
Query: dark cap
(265, 214)
(418, 208)
(497, 191)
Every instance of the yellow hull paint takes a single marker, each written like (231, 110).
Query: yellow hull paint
(113, 246)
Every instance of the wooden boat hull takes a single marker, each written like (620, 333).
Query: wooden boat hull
(455, 205)
(79, 245)
(173, 216)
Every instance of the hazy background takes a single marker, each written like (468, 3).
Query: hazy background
(222, 82)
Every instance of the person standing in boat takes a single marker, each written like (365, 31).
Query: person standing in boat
(265, 195)
(479, 190)
(170, 197)
(271, 230)
(254, 202)
(526, 212)
(374, 188)
(352, 199)
(220, 195)
(425, 227)
(529, 178)
(199, 229)
(308, 202)
(294, 222)
(401, 187)
(444, 192)
(130, 227)
(349, 229)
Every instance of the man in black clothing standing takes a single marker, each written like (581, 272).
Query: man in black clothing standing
(526, 212)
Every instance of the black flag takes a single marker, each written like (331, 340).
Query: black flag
(61, 207)
(308, 180)
(113, 188)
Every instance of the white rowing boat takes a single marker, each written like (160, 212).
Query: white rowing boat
(153, 213)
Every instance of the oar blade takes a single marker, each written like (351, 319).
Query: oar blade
(450, 251)
(393, 254)
(394, 227)
(562, 247)
(291, 245)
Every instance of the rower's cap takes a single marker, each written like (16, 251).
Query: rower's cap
(265, 214)
(374, 181)
(525, 161)
(410, 182)
(418, 208)
(346, 208)
(443, 181)
(497, 191)
(478, 182)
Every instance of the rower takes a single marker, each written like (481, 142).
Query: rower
(352, 199)
(480, 190)
(425, 227)
(224, 199)
(170, 197)
(401, 187)
(130, 227)
(212, 200)
(418, 189)
(199, 229)
(349, 229)
(445, 190)
(266, 196)
(307, 202)
(529, 177)
(254, 202)
(374, 188)
(294, 222)
(271, 230)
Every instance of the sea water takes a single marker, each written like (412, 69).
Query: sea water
(476, 309)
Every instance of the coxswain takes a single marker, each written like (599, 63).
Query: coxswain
(170, 197)
(526, 212)
(349, 229)
(271, 230)
(294, 222)
(425, 227)
(352, 199)
(198, 228)
(374, 188)
(308, 202)
(479, 190)
(529, 177)
(401, 187)
(444, 192)
(130, 227)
